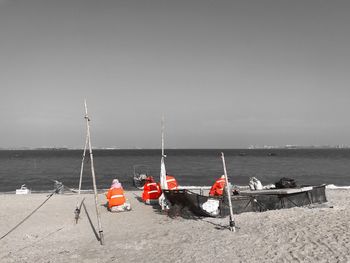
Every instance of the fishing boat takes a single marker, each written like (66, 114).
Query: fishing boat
(23, 190)
(246, 201)
(232, 201)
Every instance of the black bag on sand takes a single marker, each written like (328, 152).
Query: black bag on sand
(286, 183)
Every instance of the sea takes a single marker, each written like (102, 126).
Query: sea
(192, 167)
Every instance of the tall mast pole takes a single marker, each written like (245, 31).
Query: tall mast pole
(100, 231)
(82, 164)
(232, 222)
(163, 136)
(77, 209)
(163, 182)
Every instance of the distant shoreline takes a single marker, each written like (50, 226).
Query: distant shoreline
(102, 191)
(170, 148)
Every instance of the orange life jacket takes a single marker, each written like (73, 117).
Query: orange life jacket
(171, 182)
(115, 197)
(151, 191)
(218, 187)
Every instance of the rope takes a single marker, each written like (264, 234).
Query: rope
(77, 211)
(59, 184)
(36, 209)
(78, 207)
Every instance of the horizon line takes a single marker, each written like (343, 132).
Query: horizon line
(180, 148)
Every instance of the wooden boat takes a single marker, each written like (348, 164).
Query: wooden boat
(246, 201)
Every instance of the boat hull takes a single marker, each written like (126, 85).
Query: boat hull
(249, 202)
(184, 198)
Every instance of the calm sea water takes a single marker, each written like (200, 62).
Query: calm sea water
(36, 168)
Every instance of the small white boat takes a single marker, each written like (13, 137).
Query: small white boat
(23, 191)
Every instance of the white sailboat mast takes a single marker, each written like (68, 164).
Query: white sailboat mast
(163, 136)
(163, 183)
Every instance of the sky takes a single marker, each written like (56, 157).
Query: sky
(225, 74)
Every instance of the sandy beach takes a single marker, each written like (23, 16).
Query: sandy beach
(318, 234)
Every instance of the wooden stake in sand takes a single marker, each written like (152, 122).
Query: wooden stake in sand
(232, 222)
(78, 206)
(88, 144)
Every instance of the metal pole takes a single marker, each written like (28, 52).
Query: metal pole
(232, 222)
(100, 231)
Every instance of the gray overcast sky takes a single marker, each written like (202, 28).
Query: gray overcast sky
(225, 74)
